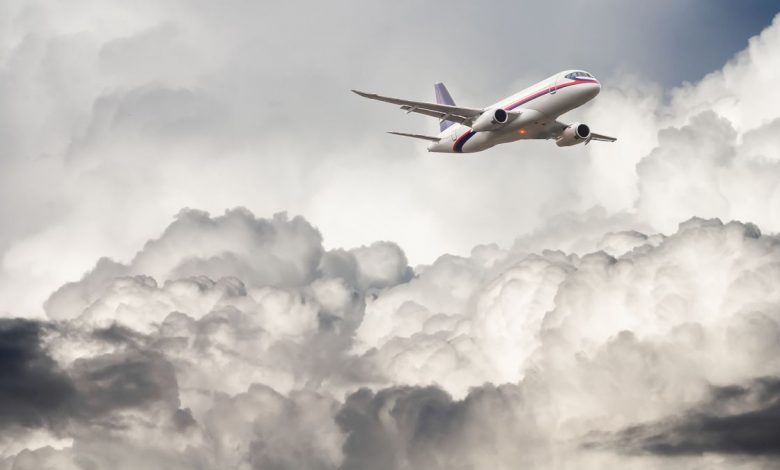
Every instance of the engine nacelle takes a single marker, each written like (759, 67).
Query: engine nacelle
(490, 120)
(574, 134)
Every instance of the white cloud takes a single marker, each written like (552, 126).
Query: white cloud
(711, 151)
(589, 345)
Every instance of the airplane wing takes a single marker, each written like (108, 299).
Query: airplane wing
(557, 127)
(416, 136)
(603, 138)
(442, 111)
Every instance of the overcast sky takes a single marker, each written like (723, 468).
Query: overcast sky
(145, 148)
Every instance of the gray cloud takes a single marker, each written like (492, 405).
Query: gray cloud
(738, 420)
(38, 393)
(505, 357)
(123, 381)
(409, 427)
(35, 392)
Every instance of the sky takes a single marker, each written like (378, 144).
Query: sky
(214, 256)
(117, 116)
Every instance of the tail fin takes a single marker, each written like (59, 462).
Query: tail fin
(443, 97)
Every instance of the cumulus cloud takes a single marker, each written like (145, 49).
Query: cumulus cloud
(665, 349)
(710, 150)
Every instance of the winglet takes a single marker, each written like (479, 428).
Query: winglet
(442, 94)
(362, 93)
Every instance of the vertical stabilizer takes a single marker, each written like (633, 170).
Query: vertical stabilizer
(443, 97)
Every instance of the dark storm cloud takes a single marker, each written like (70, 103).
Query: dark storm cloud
(741, 420)
(425, 428)
(36, 392)
(424, 415)
(123, 381)
(118, 334)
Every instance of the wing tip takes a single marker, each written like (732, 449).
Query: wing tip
(415, 136)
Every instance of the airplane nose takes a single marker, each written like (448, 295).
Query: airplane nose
(591, 90)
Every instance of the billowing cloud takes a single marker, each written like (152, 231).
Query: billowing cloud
(710, 151)
(342, 359)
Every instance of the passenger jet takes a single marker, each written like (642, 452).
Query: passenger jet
(530, 114)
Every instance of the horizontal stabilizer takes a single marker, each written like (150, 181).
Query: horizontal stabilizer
(416, 136)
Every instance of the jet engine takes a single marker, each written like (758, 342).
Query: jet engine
(574, 134)
(490, 120)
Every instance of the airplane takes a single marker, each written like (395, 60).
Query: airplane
(530, 114)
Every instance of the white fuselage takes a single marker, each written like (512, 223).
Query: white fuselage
(539, 106)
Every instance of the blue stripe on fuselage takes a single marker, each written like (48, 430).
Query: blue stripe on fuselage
(458, 147)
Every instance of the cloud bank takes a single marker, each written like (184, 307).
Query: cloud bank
(288, 355)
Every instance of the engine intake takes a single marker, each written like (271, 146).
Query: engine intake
(574, 134)
(491, 120)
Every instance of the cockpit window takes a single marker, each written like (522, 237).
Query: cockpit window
(578, 74)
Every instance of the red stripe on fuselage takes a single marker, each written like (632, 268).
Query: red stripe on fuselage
(543, 92)
(458, 146)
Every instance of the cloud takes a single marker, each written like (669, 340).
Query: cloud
(35, 392)
(736, 420)
(42, 401)
(722, 178)
(709, 151)
(342, 358)
(267, 430)
(408, 427)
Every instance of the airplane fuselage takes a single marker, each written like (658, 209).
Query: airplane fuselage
(538, 105)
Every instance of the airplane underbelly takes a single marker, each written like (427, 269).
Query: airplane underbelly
(529, 125)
